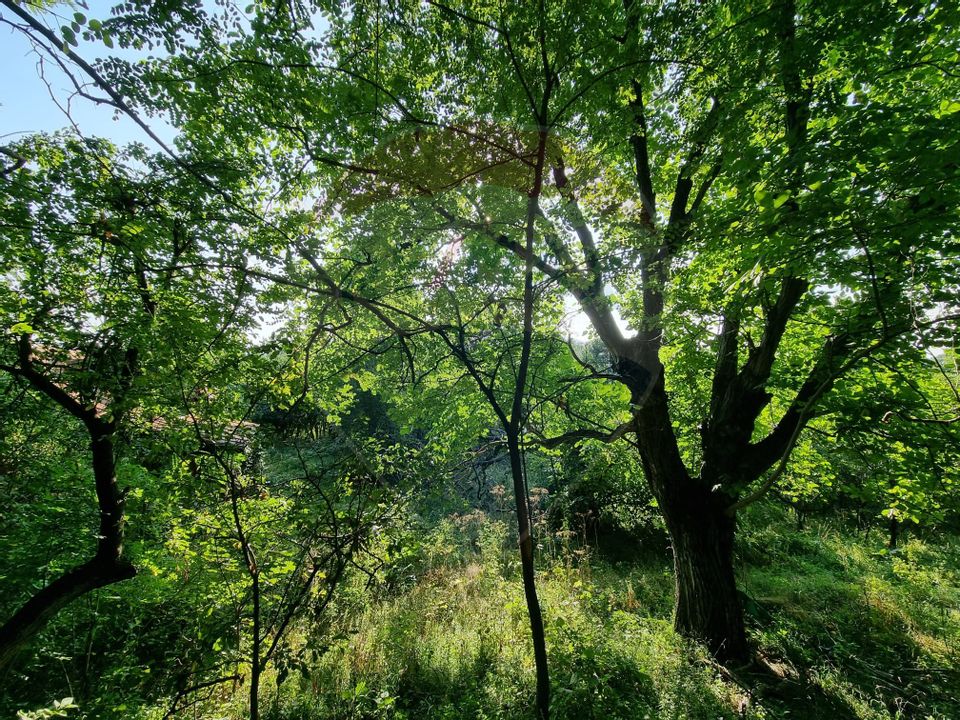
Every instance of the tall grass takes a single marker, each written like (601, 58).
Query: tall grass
(843, 628)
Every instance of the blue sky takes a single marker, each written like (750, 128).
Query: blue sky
(26, 104)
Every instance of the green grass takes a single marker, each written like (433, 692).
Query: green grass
(844, 629)
(877, 632)
(854, 632)
(454, 645)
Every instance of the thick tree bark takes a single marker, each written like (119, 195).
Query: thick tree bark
(707, 603)
(707, 606)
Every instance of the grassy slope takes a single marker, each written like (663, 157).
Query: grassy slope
(854, 631)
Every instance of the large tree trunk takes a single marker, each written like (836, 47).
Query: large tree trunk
(707, 603)
(701, 532)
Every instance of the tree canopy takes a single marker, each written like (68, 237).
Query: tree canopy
(691, 256)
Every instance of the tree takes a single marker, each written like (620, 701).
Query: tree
(765, 193)
(762, 203)
(888, 445)
(102, 249)
(278, 544)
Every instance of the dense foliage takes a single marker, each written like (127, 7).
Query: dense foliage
(485, 359)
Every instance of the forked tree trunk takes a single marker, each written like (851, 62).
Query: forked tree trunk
(707, 606)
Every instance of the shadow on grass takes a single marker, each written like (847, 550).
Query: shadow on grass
(782, 694)
(856, 631)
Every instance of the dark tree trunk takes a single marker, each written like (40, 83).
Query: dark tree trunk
(707, 602)
(701, 532)
(894, 528)
(108, 565)
(529, 580)
(255, 665)
(514, 425)
(34, 615)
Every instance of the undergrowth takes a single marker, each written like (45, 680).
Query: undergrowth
(843, 628)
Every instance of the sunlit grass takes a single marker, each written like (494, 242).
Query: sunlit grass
(855, 631)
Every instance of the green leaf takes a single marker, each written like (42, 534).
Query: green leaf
(948, 107)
